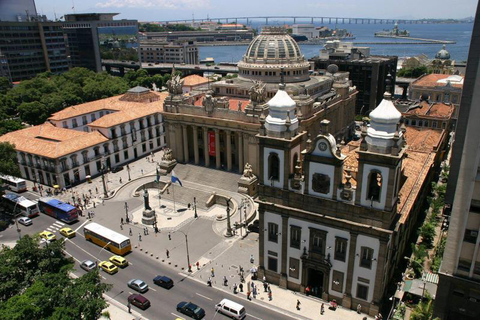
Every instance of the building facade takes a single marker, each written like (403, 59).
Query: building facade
(33, 47)
(368, 73)
(169, 52)
(84, 140)
(83, 32)
(335, 219)
(458, 293)
(202, 36)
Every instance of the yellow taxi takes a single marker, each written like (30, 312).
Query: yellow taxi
(108, 267)
(119, 261)
(47, 235)
(67, 233)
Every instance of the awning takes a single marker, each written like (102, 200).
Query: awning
(419, 287)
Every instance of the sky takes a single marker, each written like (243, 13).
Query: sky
(161, 10)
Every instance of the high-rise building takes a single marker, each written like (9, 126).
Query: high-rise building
(152, 51)
(18, 10)
(368, 73)
(458, 294)
(92, 37)
(4, 68)
(33, 47)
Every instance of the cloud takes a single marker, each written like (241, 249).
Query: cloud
(165, 4)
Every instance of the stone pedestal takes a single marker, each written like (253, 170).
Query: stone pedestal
(166, 166)
(248, 186)
(148, 217)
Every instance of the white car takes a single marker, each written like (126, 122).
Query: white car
(25, 221)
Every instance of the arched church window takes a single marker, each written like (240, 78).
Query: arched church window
(273, 167)
(374, 186)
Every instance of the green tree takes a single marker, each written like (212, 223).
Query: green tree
(36, 284)
(423, 310)
(9, 125)
(33, 112)
(158, 80)
(427, 231)
(9, 163)
(4, 85)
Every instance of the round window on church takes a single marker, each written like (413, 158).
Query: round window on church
(322, 146)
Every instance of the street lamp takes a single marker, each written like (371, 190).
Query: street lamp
(103, 178)
(16, 220)
(242, 204)
(195, 207)
(126, 212)
(229, 225)
(103, 248)
(188, 255)
(128, 170)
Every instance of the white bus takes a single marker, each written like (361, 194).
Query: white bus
(104, 237)
(17, 203)
(14, 183)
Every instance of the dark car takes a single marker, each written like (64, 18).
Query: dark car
(163, 281)
(191, 310)
(117, 168)
(139, 301)
(255, 226)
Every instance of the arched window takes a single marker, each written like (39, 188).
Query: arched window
(273, 167)
(374, 186)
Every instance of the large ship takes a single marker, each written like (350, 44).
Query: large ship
(395, 32)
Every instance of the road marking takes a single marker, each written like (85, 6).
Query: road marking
(82, 225)
(176, 315)
(153, 289)
(201, 295)
(58, 225)
(248, 314)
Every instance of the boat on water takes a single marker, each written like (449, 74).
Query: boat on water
(395, 32)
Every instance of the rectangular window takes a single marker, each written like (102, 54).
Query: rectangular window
(318, 244)
(470, 236)
(144, 148)
(64, 123)
(464, 265)
(337, 281)
(272, 232)
(117, 158)
(84, 120)
(92, 117)
(362, 291)
(295, 236)
(340, 249)
(125, 154)
(294, 268)
(272, 264)
(366, 257)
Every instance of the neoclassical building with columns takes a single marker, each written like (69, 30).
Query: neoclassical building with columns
(217, 128)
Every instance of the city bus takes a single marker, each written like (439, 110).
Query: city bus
(109, 239)
(17, 203)
(14, 183)
(58, 209)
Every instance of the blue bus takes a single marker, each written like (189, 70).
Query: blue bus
(58, 209)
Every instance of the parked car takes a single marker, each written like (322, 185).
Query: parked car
(138, 285)
(117, 168)
(255, 226)
(108, 267)
(88, 265)
(25, 221)
(191, 310)
(119, 261)
(163, 281)
(67, 232)
(47, 235)
(139, 301)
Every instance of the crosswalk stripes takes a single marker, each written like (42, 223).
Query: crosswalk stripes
(57, 225)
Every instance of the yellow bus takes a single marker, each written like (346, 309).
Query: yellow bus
(104, 237)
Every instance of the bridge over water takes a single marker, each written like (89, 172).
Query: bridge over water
(310, 19)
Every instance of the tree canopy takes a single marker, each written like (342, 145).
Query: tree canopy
(151, 27)
(9, 163)
(35, 283)
(413, 72)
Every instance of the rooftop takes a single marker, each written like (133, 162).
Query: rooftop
(194, 80)
(439, 80)
(436, 109)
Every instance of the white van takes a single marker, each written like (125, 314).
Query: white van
(231, 309)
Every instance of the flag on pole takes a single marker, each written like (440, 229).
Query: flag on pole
(176, 179)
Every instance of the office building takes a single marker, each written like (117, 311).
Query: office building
(367, 72)
(169, 52)
(201, 36)
(458, 294)
(18, 10)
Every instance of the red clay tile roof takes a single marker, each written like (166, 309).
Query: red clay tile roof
(194, 80)
(431, 80)
(437, 110)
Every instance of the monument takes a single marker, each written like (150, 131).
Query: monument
(168, 162)
(148, 215)
(248, 182)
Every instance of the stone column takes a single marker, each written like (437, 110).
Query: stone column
(217, 148)
(240, 151)
(283, 263)
(205, 148)
(195, 144)
(347, 299)
(185, 144)
(229, 150)
(245, 147)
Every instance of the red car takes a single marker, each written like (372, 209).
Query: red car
(139, 301)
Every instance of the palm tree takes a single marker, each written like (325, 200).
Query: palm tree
(423, 310)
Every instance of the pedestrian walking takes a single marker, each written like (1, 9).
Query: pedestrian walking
(252, 260)
(198, 265)
(248, 295)
(359, 308)
(129, 306)
(240, 286)
(168, 254)
(298, 304)
(146, 230)
(121, 226)
(94, 204)
(225, 281)
(121, 220)
(142, 171)
(96, 189)
(144, 233)
(170, 238)
(139, 237)
(130, 232)
(212, 272)
(265, 286)
(270, 295)
(120, 180)
(254, 293)
(235, 288)
(322, 309)
(209, 281)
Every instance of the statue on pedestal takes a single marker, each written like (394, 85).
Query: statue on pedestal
(257, 92)
(175, 84)
(248, 171)
(146, 200)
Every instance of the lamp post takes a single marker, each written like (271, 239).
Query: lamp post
(240, 211)
(16, 220)
(103, 179)
(195, 207)
(128, 170)
(102, 249)
(188, 255)
(229, 225)
(126, 212)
